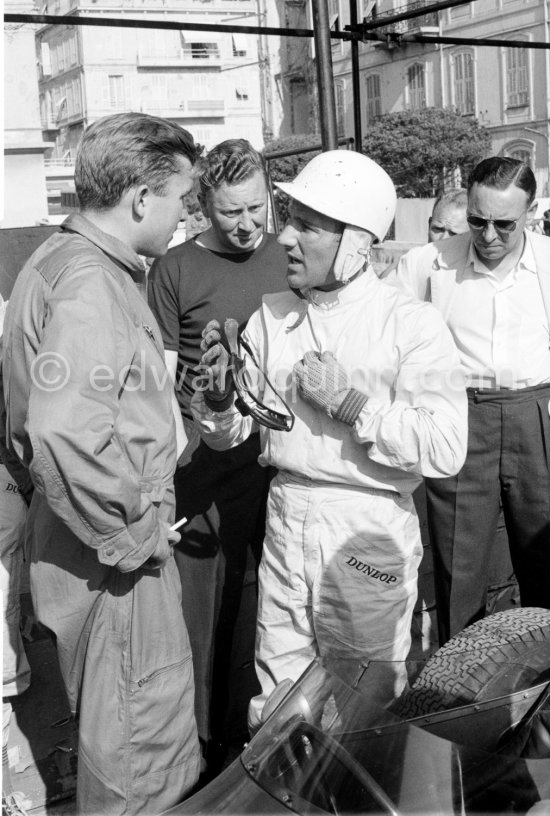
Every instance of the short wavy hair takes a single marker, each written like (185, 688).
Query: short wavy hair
(232, 162)
(121, 151)
(501, 171)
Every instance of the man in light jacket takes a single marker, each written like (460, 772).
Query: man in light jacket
(89, 412)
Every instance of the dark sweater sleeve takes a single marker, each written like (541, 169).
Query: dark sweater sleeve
(163, 297)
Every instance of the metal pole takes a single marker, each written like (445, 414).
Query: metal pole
(323, 63)
(355, 80)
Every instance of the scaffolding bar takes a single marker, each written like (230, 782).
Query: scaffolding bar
(360, 34)
(355, 80)
(323, 65)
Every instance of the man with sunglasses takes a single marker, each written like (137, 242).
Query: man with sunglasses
(492, 286)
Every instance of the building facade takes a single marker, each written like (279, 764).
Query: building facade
(210, 83)
(506, 88)
(23, 186)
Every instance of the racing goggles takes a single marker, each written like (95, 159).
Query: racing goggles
(252, 385)
(505, 225)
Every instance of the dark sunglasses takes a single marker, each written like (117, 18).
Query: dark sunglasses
(500, 224)
(249, 381)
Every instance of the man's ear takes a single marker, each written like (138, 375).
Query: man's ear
(531, 213)
(140, 200)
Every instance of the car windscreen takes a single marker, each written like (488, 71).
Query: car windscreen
(338, 744)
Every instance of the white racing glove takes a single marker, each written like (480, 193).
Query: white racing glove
(324, 383)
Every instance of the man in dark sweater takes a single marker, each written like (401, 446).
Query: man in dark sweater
(221, 273)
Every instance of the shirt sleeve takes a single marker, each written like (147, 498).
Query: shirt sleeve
(411, 274)
(424, 430)
(79, 463)
(220, 430)
(164, 300)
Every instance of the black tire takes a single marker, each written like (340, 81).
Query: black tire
(495, 656)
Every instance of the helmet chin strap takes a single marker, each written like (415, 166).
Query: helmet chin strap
(353, 253)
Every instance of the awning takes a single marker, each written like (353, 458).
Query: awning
(240, 42)
(189, 37)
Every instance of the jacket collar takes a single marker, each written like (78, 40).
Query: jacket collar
(454, 252)
(117, 250)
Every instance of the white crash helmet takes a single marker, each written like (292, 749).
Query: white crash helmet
(346, 186)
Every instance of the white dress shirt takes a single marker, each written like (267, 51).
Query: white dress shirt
(500, 325)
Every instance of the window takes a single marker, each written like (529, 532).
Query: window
(49, 106)
(203, 50)
(53, 53)
(522, 155)
(204, 86)
(116, 91)
(374, 99)
(521, 151)
(159, 43)
(299, 110)
(77, 96)
(460, 11)
(416, 86)
(334, 15)
(46, 59)
(70, 99)
(159, 84)
(66, 52)
(114, 44)
(463, 77)
(368, 8)
(241, 92)
(517, 77)
(340, 107)
(60, 57)
(203, 136)
(72, 50)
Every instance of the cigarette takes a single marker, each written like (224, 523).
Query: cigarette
(178, 523)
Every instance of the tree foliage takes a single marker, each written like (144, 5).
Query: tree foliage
(422, 150)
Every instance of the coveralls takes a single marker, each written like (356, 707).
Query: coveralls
(89, 412)
(339, 567)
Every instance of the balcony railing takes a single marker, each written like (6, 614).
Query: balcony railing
(49, 123)
(213, 107)
(188, 107)
(429, 20)
(59, 162)
(191, 54)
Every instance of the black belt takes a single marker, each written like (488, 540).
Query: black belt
(508, 394)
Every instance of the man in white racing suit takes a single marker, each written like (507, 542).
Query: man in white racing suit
(373, 379)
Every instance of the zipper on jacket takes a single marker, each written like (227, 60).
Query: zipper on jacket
(151, 335)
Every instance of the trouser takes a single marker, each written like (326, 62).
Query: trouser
(13, 512)
(16, 673)
(126, 663)
(508, 462)
(223, 495)
(338, 579)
